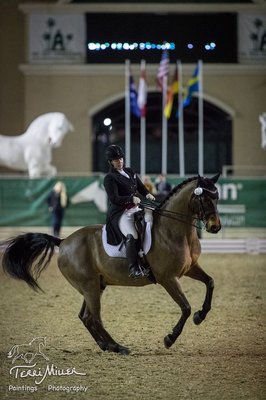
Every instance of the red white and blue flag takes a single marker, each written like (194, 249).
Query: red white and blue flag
(163, 68)
(142, 92)
(134, 108)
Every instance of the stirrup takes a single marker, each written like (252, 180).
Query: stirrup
(144, 271)
(139, 273)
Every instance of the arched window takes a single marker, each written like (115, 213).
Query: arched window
(109, 127)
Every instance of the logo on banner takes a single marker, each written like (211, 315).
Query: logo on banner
(252, 37)
(258, 35)
(56, 38)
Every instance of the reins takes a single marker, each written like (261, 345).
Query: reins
(198, 192)
(153, 206)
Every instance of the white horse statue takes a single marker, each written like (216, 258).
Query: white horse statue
(32, 151)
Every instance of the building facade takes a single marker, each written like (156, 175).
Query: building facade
(83, 90)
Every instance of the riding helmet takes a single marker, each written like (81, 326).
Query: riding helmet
(113, 152)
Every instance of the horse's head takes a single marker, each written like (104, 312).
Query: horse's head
(58, 127)
(204, 203)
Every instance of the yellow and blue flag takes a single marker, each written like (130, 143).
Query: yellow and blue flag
(172, 91)
(192, 86)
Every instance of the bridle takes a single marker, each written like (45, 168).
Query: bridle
(201, 213)
(198, 195)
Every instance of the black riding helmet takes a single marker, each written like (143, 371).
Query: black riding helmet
(113, 152)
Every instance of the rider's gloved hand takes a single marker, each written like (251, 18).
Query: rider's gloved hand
(150, 197)
(136, 200)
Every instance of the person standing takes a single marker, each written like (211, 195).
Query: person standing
(57, 202)
(123, 188)
(162, 187)
(148, 184)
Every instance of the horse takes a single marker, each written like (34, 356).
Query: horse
(83, 262)
(28, 351)
(32, 150)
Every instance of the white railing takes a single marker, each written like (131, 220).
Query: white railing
(250, 246)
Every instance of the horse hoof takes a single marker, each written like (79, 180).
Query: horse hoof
(197, 318)
(167, 342)
(123, 350)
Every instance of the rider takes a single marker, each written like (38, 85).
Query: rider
(122, 186)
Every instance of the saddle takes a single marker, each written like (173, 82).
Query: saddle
(144, 241)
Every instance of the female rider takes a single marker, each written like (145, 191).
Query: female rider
(123, 187)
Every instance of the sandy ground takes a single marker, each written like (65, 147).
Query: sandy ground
(223, 358)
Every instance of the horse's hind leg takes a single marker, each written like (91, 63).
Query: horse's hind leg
(196, 272)
(90, 316)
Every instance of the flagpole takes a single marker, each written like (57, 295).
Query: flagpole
(181, 121)
(164, 127)
(200, 116)
(142, 131)
(127, 113)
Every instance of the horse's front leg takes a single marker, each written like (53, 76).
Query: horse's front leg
(196, 272)
(173, 287)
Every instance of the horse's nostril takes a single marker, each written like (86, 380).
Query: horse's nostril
(215, 228)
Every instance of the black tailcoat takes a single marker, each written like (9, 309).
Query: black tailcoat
(120, 191)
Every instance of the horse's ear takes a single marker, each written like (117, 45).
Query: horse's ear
(215, 178)
(199, 181)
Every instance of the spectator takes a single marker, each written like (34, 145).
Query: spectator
(146, 180)
(57, 202)
(162, 187)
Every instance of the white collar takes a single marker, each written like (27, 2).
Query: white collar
(122, 172)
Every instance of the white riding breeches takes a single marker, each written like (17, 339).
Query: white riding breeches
(126, 222)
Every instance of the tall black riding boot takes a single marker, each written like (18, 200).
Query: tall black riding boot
(132, 256)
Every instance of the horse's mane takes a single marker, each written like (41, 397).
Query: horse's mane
(176, 189)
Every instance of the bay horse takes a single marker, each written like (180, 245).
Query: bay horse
(83, 262)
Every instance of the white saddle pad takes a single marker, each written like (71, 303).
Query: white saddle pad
(113, 251)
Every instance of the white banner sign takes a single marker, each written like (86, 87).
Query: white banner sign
(57, 38)
(252, 38)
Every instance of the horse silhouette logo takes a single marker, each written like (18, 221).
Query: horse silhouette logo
(28, 351)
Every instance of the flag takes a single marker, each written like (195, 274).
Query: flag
(192, 86)
(163, 68)
(134, 108)
(173, 89)
(142, 92)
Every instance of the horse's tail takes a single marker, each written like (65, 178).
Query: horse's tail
(22, 252)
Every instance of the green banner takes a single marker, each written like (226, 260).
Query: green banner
(23, 201)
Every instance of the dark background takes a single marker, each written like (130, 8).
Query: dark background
(181, 29)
